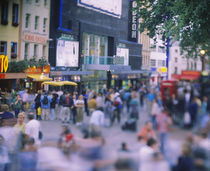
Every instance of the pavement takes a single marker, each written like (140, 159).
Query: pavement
(114, 135)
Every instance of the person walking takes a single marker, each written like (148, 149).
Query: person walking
(117, 108)
(52, 106)
(17, 104)
(154, 112)
(37, 102)
(66, 108)
(108, 111)
(193, 110)
(74, 109)
(20, 122)
(99, 100)
(92, 104)
(163, 126)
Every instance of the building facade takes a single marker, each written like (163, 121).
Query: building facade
(35, 29)
(179, 63)
(96, 36)
(10, 28)
(158, 61)
(145, 41)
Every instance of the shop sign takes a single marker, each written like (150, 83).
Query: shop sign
(195, 73)
(162, 70)
(38, 70)
(3, 63)
(133, 24)
(29, 37)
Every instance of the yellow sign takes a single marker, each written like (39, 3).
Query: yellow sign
(162, 69)
(3, 63)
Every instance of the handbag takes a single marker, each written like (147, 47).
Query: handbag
(40, 135)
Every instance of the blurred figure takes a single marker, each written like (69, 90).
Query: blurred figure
(117, 108)
(45, 105)
(134, 106)
(147, 132)
(127, 98)
(142, 94)
(20, 122)
(66, 140)
(86, 101)
(5, 114)
(193, 110)
(4, 157)
(32, 129)
(185, 161)
(25, 99)
(92, 104)
(163, 126)
(52, 106)
(97, 117)
(124, 147)
(38, 105)
(27, 159)
(74, 109)
(99, 100)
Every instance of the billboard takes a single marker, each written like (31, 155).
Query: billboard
(123, 52)
(109, 7)
(67, 53)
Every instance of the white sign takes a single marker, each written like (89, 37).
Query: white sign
(67, 53)
(123, 52)
(134, 21)
(109, 7)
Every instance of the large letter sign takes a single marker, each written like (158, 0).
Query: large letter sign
(3, 63)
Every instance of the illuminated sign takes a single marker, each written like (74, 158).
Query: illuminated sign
(3, 63)
(133, 24)
(109, 7)
(162, 69)
(29, 37)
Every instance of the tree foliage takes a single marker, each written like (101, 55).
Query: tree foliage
(185, 20)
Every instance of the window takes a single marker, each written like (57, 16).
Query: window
(153, 62)
(15, 14)
(13, 50)
(3, 48)
(35, 50)
(191, 66)
(45, 3)
(163, 63)
(4, 13)
(175, 70)
(160, 63)
(195, 66)
(44, 24)
(26, 51)
(44, 51)
(176, 50)
(36, 25)
(27, 20)
(176, 59)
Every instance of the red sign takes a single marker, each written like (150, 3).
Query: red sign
(29, 37)
(2, 76)
(195, 73)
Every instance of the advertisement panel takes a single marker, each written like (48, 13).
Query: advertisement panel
(109, 7)
(123, 52)
(67, 53)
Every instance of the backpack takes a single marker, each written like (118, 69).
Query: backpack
(116, 102)
(45, 100)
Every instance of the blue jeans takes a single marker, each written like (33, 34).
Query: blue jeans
(154, 123)
(52, 113)
(163, 137)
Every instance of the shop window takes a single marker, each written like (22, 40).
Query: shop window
(15, 9)
(160, 63)
(45, 3)
(13, 50)
(163, 63)
(153, 62)
(35, 50)
(27, 20)
(195, 66)
(176, 59)
(44, 51)
(3, 48)
(36, 24)
(4, 13)
(175, 70)
(26, 51)
(44, 24)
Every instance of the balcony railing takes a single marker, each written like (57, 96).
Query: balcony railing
(103, 60)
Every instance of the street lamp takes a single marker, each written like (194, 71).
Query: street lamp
(203, 52)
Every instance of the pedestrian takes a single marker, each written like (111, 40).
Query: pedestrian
(127, 98)
(52, 106)
(4, 156)
(17, 105)
(134, 106)
(45, 104)
(65, 113)
(80, 106)
(32, 129)
(38, 105)
(193, 111)
(163, 126)
(5, 114)
(117, 108)
(108, 111)
(25, 100)
(20, 122)
(74, 109)
(142, 94)
(154, 112)
(86, 102)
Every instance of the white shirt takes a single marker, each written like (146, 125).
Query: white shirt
(32, 129)
(97, 118)
(25, 97)
(99, 101)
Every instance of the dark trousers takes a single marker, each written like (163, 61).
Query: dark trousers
(86, 107)
(74, 115)
(17, 111)
(116, 114)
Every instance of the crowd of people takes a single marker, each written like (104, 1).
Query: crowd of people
(104, 110)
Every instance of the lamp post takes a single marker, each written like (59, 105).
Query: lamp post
(203, 52)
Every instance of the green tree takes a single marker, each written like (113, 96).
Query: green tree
(187, 21)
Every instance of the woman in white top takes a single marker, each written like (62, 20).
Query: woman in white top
(80, 105)
(154, 112)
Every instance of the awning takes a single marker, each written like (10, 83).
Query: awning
(59, 83)
(39, 77)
